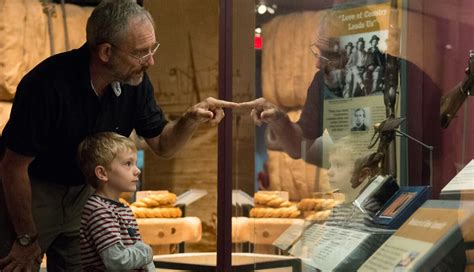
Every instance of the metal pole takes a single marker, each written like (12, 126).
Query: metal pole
(224, 156)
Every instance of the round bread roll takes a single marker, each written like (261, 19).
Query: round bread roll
(172, 212)
(318, 216)
(156, 200)
(138, 212)
(286, 212)
(270, 200)
(311, 204)
(123, 201)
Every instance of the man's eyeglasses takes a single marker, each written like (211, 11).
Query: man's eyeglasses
(315, 51)
(143, 58)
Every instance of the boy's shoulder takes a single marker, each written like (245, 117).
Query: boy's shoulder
(95, 204)
(95, 201)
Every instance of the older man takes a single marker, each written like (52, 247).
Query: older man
(102, 86)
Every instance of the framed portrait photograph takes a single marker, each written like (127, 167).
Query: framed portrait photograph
(360, 119)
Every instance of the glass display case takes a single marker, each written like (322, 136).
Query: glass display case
(339, 163)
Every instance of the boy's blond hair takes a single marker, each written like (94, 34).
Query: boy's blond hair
(101, 149)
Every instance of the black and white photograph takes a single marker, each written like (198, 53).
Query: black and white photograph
(356, 66)
(360, 119)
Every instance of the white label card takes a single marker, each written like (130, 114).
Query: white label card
(190, 196)
(463, 180)
(324, 247)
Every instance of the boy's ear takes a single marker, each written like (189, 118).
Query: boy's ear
(101, 173)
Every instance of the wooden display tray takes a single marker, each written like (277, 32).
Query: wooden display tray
(261, 230)
(161, 231)
(240, 262)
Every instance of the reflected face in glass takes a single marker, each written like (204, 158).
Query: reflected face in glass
(319, 58)
(359, 118)
(374, 43)
(324, 59)
(341, 170)
(132, 58)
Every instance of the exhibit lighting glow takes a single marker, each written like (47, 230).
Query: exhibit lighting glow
(261, 8)
(257, 41)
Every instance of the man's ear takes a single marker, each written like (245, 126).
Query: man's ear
(101, 173)
(104, 51)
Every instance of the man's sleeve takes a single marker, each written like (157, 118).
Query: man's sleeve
(310, 119)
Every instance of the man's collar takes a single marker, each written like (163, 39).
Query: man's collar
(117, 88)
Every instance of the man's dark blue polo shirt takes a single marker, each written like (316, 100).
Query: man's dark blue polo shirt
(55, 108)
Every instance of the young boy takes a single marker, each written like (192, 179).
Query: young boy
(350, 172)
(347, 174)
(109, 236)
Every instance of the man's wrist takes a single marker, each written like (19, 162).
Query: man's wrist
(279, 119)
(26, 239)
(190, 118)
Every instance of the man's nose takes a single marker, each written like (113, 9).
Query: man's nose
(150, 61)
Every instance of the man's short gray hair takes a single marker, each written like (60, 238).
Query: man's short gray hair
(109, 21)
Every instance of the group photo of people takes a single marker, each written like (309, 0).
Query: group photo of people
(356, 66)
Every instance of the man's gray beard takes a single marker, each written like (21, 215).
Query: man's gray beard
(134, 81)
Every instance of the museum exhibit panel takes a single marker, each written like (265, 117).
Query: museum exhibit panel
(350, 151)
(368, 187)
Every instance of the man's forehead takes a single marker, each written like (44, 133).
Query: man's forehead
(141, 33)
(326, 43)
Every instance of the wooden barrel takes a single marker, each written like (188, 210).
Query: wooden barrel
(288, 66)
(298, 178)
(25, 38)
